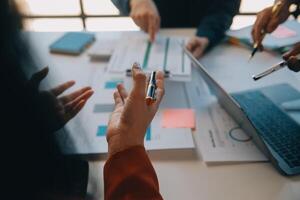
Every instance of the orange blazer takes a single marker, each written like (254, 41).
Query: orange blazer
(129, 175)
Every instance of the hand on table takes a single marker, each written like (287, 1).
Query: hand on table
(145, 15)
(291, 58)
(132, 116)
(197, 45)
(59, 110)
(267, 22)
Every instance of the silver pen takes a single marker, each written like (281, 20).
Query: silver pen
(270, 71)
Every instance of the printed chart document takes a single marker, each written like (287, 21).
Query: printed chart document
(222, 140)
(86, 133)
(165, 54)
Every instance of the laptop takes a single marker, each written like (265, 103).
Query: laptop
(260, 114)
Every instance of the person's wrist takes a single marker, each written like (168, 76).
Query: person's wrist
(121, 141)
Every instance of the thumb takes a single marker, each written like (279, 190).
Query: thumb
(36, 78)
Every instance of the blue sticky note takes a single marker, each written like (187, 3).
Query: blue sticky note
(112, 84)
(148, 134)
(101, 131)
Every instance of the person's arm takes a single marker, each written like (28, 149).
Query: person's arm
(123, 6)
(214, 25)
(129, 174)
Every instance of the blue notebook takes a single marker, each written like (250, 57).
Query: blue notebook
(72, 43)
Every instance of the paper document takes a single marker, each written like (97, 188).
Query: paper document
(165, 54)
(222, 140)
(86, 133)
(102, 50)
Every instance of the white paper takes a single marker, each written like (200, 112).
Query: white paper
(221, 140)
(80, 136)
(165, 53)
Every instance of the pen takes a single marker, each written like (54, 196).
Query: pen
(271, 70)
(150, 96)
(274, 68)
(275, 11)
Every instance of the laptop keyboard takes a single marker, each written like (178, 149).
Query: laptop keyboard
(274, 125)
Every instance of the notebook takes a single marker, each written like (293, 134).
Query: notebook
(286, 35)
(72, 43)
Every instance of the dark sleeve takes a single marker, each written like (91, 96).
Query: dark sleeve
(214, 25)
(123, 6)
(130, 175)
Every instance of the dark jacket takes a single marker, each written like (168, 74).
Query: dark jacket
(211, 17)
(32, 166)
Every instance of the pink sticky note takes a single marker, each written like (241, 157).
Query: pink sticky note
(283, 32)
(178, 118)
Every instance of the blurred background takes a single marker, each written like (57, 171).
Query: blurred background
(101, 15)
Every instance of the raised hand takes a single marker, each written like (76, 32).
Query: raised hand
(57, 110)
(132, 116)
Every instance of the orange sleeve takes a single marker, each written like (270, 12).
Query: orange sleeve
(129, 175)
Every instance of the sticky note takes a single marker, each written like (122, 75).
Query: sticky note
(112, 84)
(283, 32)
(101, 131)
(148, 134)
(178, 118)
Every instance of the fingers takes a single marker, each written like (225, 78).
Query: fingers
(75, 110)
(198, 52)
(38, 77)
(261, 24)
(160, 90)
(83, 97)
(294, 64)
(145, 15)
(68, 98)
(140, 21)
(122, 91)
(118, 100)
(291, 58)
(293, 52)
(272, 25)
(151, 28)
(61, 88)
(197, 46)
(139, 81)
(191, 44)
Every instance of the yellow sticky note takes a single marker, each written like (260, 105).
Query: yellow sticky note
(178, 118)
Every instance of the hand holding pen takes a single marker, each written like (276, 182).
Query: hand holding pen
(132, 116)
(267, 21)
(291, 60)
